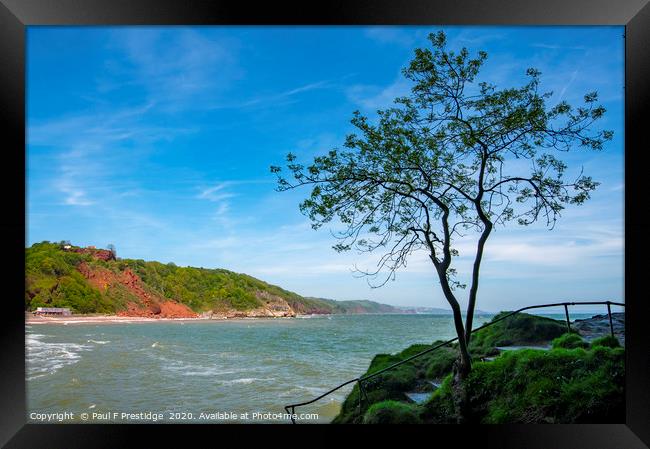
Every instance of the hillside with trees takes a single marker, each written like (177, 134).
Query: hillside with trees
(90, 280)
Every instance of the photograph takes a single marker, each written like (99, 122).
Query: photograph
(374, 224)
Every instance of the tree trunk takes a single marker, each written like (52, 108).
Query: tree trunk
(460, 393)
(458, 323)
(463, 365)
(475, 277)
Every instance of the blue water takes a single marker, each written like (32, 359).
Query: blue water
(182, 369)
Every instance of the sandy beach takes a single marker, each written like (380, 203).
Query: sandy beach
(110, 319)
(98, 319)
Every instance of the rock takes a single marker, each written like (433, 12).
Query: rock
(598, 326)
(101, 254)
(154, 308)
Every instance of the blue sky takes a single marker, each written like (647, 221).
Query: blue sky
(159, 140)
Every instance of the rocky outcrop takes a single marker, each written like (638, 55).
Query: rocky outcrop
(148, 303)
(100, 254)
(144, 303)
(273, 307)
(598, 326)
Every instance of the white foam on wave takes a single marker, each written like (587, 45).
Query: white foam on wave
(311, 390)
(99, 342)
(206, 372)
(191, 369)
(31, 336)
(246, 380)
(45, 358)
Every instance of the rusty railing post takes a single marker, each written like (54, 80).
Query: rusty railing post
(361, 394)
(609, 312)
(568, 322)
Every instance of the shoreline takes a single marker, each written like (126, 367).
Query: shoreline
(117, 319)
(31, 319)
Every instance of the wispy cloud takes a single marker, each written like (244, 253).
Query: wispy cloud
(175, 67)
(391, 35)
(574, 74)
(559, 47)
(216, 193)
(273, 99)
(91, 148)
(373, 97)
(74, 196)
(305, 88)
(473, 36)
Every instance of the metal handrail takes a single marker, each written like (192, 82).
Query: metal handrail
(290, 409)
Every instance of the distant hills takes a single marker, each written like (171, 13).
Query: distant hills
(358, 306)
(435, 311)
(90, 281)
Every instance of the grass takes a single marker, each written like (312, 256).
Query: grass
(558, 386)
(573, 382)
(392, 412)
(569, 341)
(519, 329)
(527, 386)
(391, 385)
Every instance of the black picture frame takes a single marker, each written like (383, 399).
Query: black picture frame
(15, 15)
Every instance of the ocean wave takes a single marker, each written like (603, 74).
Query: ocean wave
(312, 390)
(99, 342)
(45, 358)
(206, 372)
(247, 380)
(191, 369)
(34, 337)
(175, 365)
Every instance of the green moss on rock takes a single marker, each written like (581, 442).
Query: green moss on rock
(534, 386)
(392, 412)
(519, 329)
(574, 382)
(393, 384)
(607, 341)
(569, 341)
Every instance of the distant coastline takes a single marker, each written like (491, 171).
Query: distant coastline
(106, 319)
(90, 280)
(30, 318)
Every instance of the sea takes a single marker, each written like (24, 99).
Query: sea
(211, 371)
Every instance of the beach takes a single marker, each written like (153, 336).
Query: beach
(102, 319)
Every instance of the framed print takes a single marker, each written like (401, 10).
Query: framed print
(288, 219)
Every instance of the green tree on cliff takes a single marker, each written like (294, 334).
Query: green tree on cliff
(438, 165)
